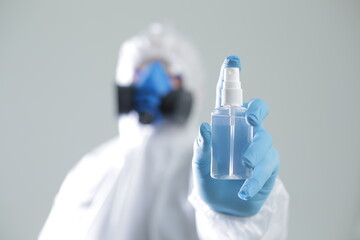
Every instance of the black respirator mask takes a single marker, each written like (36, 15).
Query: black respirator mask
(154, 98)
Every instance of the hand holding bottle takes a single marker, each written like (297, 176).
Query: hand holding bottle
(241, 198)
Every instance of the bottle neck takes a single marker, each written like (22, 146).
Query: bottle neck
(231, 93)
(231, 97)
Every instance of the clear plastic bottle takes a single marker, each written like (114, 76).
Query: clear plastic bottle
(231, 133)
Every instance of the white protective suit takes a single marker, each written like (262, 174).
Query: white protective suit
(136, 186)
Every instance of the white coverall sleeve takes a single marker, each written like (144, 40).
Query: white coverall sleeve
(269, 224)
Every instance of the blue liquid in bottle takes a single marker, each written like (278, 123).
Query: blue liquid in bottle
(231, 136)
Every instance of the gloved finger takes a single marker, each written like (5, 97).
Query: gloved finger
(202, 151)
(258, 149)
(260, 176)
(230, 61)
(256, 112)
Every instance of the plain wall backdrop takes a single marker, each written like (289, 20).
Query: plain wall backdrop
(57, 66)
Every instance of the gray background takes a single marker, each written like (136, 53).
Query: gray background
(57, 64)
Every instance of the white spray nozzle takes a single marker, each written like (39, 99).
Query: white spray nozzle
(231, 93)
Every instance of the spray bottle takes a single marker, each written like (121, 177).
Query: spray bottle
(231, 133)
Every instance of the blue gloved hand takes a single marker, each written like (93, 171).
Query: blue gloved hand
(240, 198)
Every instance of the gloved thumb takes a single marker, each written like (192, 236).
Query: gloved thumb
(202, 151)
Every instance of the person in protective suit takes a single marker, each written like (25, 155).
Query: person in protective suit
(152, 182)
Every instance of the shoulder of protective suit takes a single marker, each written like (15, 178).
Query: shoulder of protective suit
(95, 168)
(100, 158)
(83, 193)
(108, 149)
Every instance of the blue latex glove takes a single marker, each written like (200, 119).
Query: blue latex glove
(241, 198)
